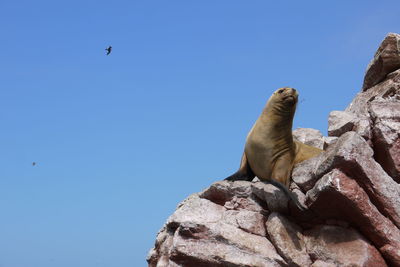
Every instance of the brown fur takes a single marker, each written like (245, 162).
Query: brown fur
(270, 151)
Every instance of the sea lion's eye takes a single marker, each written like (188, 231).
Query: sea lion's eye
(281, 91)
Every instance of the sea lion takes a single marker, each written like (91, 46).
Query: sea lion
(270, 151)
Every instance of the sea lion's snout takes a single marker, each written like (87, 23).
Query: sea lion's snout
(290, 90)
(288, 95)
(286, 90)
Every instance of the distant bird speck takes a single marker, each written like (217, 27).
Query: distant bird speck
(108, 49)
(33, 163)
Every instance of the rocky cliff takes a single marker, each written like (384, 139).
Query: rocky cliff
(352, 191)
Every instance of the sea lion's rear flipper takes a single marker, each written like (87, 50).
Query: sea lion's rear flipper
(244, 173)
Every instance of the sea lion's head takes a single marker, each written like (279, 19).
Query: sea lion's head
(283, 101)
(286, 95)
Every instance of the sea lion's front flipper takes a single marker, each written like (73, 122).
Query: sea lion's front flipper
(244, 173)
(281, 178)
(287, 192)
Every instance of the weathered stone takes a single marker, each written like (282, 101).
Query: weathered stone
(202, 233)
(340, 122)
(386, 60)
(336, 195)
(221, 244)
(388, 89)
(309, 136)
(303, 174)
(354, 156)
(349, 194)
(382, 109)
(159, 255)
(386, 135)
(363, 127)
(341, 246)
(329, 140)
(275, 199)
(222, 191)
(249, 221)
(319, 263)
(232, 195)
(288, 240)
(196, 210)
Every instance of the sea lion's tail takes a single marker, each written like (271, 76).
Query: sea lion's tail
(287, 193)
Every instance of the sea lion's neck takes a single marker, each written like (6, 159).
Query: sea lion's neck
(278, 115)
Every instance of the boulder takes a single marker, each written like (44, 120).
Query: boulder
(352, 191)
(386, 135)
(385, 61)
(310, 137)
(287, 237)
(341, 247)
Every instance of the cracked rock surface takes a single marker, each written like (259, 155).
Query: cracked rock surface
(352, 192)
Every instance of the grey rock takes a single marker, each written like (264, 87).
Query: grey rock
(336, 195)
(341, 246)
(351, 189)
(221, 245)
(197, 210)
(386, 135)
(319, 263)
(385, 61)
(274, 198)
(387, 89)
(249, 221)
(329, 140)
(309, 136)
(303, 174)
(340, 122)
(354, 156)
(288, 239)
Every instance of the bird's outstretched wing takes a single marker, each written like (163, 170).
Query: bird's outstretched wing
(108, 49)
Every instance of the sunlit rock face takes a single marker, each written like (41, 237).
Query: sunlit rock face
(385, 61)
(352, 192)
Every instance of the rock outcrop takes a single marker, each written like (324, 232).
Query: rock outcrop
(352, 191)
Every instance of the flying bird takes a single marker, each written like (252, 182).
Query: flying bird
(108, 50)
(33, 163)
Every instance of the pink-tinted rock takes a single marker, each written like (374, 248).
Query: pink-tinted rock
(354, 156)
(340, 122)
(336, 195)
(329, 140)
(288, 240)
(303, 174)
(388, 89)
(159, 255)
(221, 244)
(236, 195)
(309, 136)
(386, 135)
(354, 202)
(203, 233)
(272, 196)
(341, 246)
(385, 61)
(319, 263)
(363, 127)
(249, 221)
(196, 210)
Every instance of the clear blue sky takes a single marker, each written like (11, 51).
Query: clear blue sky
(120, 140)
